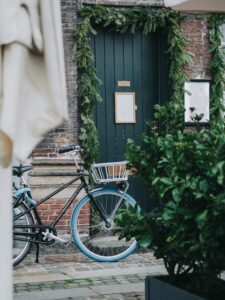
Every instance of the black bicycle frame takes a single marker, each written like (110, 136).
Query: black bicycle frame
(40, 225)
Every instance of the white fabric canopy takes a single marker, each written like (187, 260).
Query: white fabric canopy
(197, 5)
(32, 82)
(32, 96)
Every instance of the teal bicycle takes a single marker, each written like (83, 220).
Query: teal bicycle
(92, 222)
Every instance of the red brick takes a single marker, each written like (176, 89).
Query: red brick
(52, 217)
(42, 206)
(60, 201)
(50, 201)
(44, 218)
(65, 218)
(56, 206)
(84, 216)
(48, 212)
(61, 223)
(85, 222)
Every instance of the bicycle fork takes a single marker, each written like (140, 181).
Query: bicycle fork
(100, 209)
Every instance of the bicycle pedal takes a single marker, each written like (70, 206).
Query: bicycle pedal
(49, 235)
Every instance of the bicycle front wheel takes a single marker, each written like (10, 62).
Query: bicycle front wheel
(92, 235)
(21, 248)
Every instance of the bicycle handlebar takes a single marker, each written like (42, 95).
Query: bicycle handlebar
(66, 149)
(70, 148)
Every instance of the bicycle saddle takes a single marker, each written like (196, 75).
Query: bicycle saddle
(18, 171)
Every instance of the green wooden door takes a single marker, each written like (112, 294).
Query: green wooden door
(140, 60)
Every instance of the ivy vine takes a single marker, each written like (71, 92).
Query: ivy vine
(217, 66)
(141, 18)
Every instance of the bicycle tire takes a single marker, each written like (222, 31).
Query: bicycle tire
(21, 248)
(90, 233)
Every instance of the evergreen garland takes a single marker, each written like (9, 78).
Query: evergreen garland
(141, 18)
(217, 66)
(88, 93)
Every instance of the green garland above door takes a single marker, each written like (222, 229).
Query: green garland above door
(139, 18)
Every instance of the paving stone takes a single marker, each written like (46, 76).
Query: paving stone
(70, 286)
(112, 289)
(100, 283)
(61, 258)
(119, 297)
(84, 285)
(97, 268)
(55, 294)
(82, 269)
(20, 289)
(134, 280)
(51, 283)
(45, 289)
(59, 285)
(114, 297)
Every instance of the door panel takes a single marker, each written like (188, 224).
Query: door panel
(142, 61)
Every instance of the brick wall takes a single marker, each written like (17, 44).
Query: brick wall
(51, 209)
(196, 31)
(66, 133)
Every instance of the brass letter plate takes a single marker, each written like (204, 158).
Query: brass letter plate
(123, 83)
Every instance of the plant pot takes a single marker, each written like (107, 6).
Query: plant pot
(157, 288)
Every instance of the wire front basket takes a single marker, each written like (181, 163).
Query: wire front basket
(109, 172)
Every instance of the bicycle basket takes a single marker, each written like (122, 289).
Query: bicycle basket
(109, 172)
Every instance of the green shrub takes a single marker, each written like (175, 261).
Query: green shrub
(186, 171)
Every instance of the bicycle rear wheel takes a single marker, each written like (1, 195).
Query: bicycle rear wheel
(21, 248)
(91, 234)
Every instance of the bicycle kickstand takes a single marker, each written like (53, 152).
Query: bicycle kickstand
(37, 253)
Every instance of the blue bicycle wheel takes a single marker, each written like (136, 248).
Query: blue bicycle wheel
(93, 237)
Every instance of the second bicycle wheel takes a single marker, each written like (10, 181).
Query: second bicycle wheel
(21, 248)
(93, 237)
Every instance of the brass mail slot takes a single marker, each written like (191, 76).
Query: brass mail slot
(123, 83)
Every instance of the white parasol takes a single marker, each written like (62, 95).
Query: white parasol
(196, 5)
(32, 96)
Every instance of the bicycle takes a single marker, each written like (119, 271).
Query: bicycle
(92, 221)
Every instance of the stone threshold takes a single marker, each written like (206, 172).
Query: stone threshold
(54, 167)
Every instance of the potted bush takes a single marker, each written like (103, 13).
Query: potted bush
(185, 171)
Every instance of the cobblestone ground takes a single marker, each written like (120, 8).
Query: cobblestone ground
(107, 281)
(74, 276)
